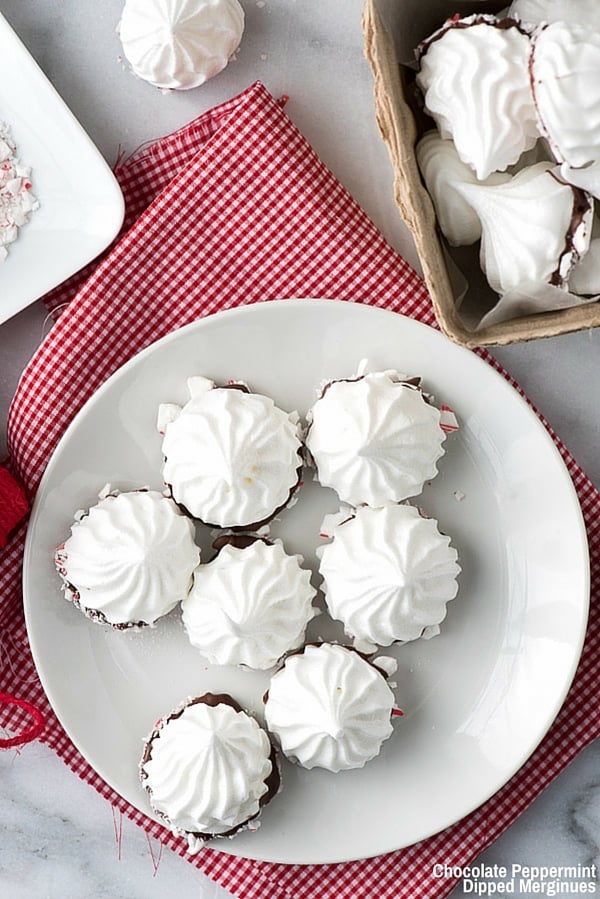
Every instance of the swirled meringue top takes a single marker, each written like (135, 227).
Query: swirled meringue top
(130, 560)
(374, 439)
(249, 606)
(565, 66)
(442, 168)
(231, 457)
(180, 44)
(329, 708)
(205, 769)
(534, 227)
(584, 12)
(474, 74)
(388, 574)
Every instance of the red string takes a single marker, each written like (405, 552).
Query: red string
(30, 733)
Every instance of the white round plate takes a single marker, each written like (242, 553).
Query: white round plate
(477, 699)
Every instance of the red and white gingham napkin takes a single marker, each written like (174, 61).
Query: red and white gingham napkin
(236, 208)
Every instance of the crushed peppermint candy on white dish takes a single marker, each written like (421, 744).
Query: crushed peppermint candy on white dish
(16, 199)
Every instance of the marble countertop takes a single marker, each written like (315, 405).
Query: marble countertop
(59, 839)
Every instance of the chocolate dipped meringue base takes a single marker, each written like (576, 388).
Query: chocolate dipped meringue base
(129, 559)
(209, 769)
(330, 706)
(250, 604)
(232, 457)
(388, 574)
(374, 438)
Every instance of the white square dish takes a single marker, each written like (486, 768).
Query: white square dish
(81, 205)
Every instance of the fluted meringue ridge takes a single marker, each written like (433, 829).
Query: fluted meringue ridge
(130, 559)
(330, 708)
(374, 439)
(205, 768)
(249, 606)
(180, 44)
(388, 574)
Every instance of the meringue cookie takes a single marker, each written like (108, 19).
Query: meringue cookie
(442, 168)
(208, 769)
(584, 12)
(534, 227)
(249, 605)
(375, 438)
(328, 707)
(388, 574)
(130, 560)
(474, 74)
(180, 44)
(565, 79)
(232, 458)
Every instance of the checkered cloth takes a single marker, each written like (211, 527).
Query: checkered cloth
(236, 208)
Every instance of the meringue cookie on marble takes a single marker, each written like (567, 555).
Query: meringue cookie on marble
(328, 707)
(584, 12)
(474, 74)
(180, 44)
(442, 168)
(565, 79)
(534, 227)
(388, 574)
(249, 605)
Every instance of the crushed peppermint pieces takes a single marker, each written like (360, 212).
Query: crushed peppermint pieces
(16, 198)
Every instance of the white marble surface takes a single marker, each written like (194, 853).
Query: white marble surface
(57, 837)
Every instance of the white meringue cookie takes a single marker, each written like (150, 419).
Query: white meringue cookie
(231, 457)
(565, 79)
(205, 768)
(474, 75)
(374, 439)
(180, 44)
(249, 605)
(130, 559)
(584, 12)
(388, 574)
(442, 169)
(329, 708)
(534, 227)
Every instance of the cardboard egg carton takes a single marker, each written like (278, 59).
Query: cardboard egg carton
(458, 289)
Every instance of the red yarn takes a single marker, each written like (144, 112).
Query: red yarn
(30, 733)
(13, 504)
